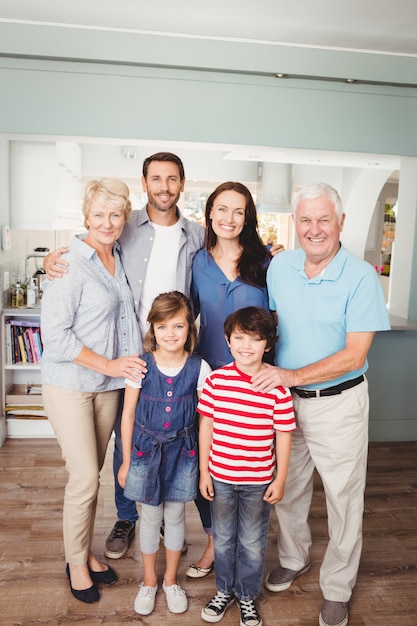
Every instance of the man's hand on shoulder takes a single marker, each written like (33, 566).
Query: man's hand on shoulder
(54, 265)
(270, 377)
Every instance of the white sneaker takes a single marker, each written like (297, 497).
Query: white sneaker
(145, 600)
(176, 598)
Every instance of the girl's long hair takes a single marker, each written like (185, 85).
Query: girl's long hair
(165, 306)
(254, 259)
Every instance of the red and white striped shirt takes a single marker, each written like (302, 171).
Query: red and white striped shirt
(245, 421)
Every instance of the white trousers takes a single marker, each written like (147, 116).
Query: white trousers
(83, 423)
(331, 435)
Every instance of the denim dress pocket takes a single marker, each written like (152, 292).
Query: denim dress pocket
(189, 463)
(137, 474)
(184, 488)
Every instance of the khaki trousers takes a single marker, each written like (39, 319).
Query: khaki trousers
(331, 435)
(83, 423)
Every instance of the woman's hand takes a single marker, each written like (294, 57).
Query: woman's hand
(276, 248)
(54, 266)
(131, 367)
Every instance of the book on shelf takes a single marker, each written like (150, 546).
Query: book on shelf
(23, 322)
(23, 355)
(23, 341)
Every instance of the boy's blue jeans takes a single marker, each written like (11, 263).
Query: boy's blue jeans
(240, 530)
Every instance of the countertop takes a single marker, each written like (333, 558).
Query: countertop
(401, 323)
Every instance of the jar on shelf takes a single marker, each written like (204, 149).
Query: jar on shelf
(18, 300)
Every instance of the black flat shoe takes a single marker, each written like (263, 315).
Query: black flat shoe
(88, 596)
(108, 577)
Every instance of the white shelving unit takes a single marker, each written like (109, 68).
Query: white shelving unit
(16, 379)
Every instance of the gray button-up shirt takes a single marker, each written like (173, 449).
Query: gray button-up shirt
(86, 307)
(136, 244)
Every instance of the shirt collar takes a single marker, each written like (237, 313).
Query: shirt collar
(243, 375)
(332, 271)
(143, 218)
(84, 249)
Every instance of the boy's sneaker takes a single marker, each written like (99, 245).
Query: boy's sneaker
(249, 616)
(214, 611)
(176, 598)
(145, 599)
(117, 543)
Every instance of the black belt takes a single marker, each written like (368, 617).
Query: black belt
(330, 391)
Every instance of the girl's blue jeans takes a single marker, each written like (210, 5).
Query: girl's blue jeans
(240, 530)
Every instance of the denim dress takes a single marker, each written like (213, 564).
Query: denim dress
(164, 460)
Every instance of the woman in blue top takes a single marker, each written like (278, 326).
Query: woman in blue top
(228, 274)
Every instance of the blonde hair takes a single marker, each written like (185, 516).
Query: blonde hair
(114, 191)
(164, 307)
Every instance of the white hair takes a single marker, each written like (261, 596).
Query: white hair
(318, 190)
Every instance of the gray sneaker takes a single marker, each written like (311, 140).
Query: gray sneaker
(281, 578)
(333, 613)
(117, 543)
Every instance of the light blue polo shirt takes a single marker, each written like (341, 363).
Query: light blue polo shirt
(315, 314)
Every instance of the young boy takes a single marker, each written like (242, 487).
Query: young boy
(239, 433)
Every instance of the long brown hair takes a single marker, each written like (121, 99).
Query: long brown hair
(165, 306)
(254, 259)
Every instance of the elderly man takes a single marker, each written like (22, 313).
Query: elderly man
(329, 305)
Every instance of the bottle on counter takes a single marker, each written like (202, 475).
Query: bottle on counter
(31, 294)
(36, 290)
(18, 296)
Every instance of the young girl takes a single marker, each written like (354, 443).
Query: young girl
(159, 440)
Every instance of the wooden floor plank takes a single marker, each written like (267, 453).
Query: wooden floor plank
(34, 589)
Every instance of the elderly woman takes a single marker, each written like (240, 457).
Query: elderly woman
(90, 338)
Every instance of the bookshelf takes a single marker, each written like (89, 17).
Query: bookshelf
(23, 414)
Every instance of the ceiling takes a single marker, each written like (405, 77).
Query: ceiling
(374, 26)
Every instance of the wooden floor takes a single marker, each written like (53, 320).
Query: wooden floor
(34, 589)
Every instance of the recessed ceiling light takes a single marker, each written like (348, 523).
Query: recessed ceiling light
(281, 75)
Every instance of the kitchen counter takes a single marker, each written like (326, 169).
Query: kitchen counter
(401, 323)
